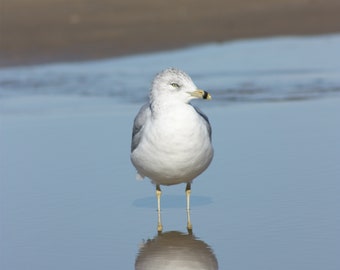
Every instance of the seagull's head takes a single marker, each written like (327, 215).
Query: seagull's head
(175, 85)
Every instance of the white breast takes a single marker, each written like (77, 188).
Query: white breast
(175, 147)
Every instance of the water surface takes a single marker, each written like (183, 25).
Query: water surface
(269, 200)
(272, 69)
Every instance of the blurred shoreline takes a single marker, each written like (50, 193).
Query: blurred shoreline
(43, 31)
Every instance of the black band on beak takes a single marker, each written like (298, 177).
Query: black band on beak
(205, 94)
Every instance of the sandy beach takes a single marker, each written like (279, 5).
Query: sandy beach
(41, 31)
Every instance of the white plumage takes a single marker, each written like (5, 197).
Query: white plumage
(171, 140)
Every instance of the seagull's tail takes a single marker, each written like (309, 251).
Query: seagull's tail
(139, 176)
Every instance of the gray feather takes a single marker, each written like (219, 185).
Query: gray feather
(138, 124)
(206, 120)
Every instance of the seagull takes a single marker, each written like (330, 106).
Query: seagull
(171, 138)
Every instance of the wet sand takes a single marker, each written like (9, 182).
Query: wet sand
(41, 31)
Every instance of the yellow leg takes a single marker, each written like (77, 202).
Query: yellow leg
(159, 223)
(188, 192)
(189, 225)
(158, 194)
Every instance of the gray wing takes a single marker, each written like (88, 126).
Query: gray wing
(138, 124)
(206, 120)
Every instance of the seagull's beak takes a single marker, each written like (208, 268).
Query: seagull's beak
(200, 94)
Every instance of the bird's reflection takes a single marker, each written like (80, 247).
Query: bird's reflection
(175, 250)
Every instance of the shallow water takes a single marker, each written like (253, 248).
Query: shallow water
(69, 198)
(272, 69)
(269, 200)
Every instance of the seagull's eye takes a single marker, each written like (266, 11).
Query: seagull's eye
(176, 85)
